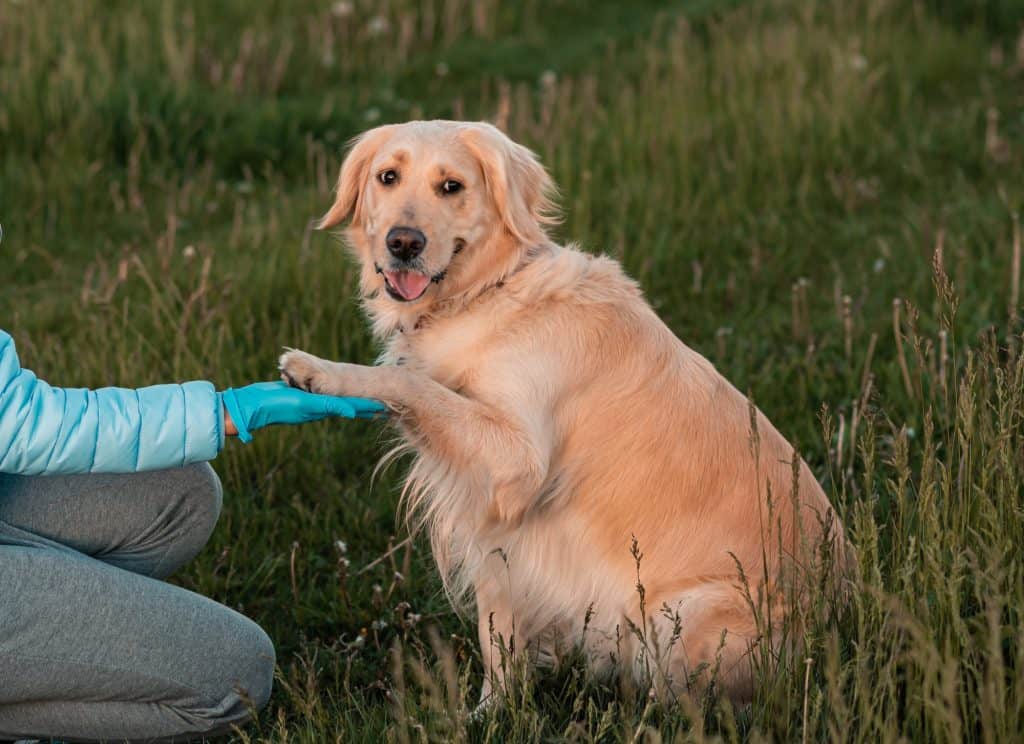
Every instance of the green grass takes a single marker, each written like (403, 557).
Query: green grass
(775, 175)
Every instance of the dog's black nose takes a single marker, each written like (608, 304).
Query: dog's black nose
(405, 243)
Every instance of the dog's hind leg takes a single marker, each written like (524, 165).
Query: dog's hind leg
(704, 636)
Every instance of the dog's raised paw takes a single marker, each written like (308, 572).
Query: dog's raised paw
(301, 370)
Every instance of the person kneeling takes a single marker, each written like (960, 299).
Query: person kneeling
(103, 494)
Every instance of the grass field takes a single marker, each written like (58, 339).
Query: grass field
(821, 197)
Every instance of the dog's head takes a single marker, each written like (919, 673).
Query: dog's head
(438, 209)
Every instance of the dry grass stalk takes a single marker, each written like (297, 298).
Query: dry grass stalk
(897, 304)
(1015, 270)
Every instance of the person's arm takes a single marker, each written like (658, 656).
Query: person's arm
(46, 430)
(49, 430)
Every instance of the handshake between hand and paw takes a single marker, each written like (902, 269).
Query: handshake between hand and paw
(305, 395)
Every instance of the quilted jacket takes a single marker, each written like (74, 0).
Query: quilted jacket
(48, 430)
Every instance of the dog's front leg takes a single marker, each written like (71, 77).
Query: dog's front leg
(316, 375)
(513, 449)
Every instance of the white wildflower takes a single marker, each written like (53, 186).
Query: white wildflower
(342, 9)
(378, 25)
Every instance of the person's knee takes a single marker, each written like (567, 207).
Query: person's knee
(193, 498)
(250, 673)
(256, 671)
(243, 687)
(202, 488)
(202, 499)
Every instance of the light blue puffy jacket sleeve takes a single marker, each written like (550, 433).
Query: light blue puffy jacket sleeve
(47, 431)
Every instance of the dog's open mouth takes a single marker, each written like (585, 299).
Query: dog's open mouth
(406, 285)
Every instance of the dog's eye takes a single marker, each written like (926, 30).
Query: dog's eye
(388, 177)
(451, 187)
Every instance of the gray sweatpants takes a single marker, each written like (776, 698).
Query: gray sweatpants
(93, 645)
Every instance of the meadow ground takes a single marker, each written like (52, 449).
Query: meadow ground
(820, 197)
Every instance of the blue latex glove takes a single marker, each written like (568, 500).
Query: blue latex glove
(266, 403)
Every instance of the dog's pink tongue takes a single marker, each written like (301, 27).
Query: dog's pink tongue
(409, 284)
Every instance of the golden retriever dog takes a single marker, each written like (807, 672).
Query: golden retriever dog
(569, 448)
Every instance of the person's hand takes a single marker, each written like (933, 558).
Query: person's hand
(266, 403)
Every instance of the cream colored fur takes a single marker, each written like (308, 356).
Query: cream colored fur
(555, 419)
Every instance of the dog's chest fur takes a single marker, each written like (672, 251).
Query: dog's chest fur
(450, 351)
(470, 354)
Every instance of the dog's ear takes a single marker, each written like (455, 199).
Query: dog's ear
(354, 175)
(522, 191)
